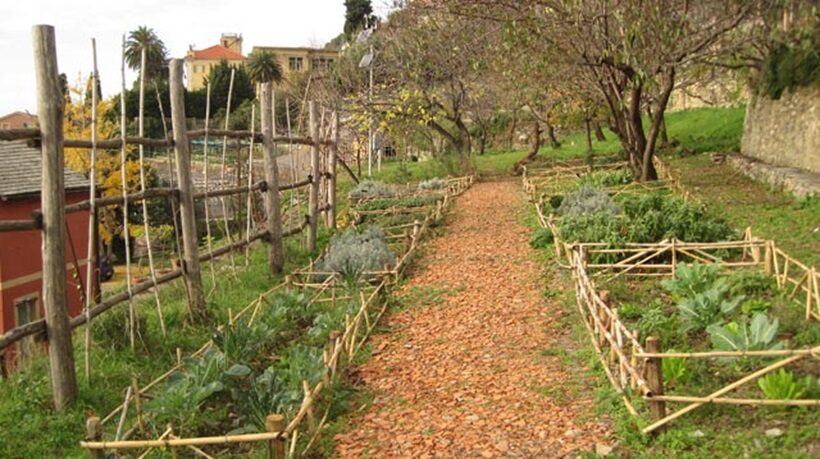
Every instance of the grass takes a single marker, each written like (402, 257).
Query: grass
(25, 405)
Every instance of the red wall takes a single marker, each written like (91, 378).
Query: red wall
(21, 255)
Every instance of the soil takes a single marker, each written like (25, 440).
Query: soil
(475, 374)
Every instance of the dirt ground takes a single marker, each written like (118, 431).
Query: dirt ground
(471, 375)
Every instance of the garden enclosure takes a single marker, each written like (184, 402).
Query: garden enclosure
(257, 196)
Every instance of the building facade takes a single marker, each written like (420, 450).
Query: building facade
(298, 60)
(198, 63)
(18, 120)
(21, 251)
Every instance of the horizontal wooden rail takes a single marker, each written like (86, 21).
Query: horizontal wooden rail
(169, 442)
(712, 354)
(20, 225)
(733, 401)
(261, 185)
(19, 134)
(111, 144)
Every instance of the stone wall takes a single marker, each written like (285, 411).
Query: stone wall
(784, 132)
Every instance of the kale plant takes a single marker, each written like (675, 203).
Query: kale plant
(588, 201)
(352, 253)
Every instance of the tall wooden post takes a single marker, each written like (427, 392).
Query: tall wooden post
(190, 253)
(276, 423)
(313, 201)
(93, 429)
(50, 110)
(276, 257)
(331, 191)
(654, 378)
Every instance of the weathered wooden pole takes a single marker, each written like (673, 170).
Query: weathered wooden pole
(331, 190)
(276, 256)
(50, 111)
(93, 429)
(654, 378)
(276, 448)
(313, 201)
(190, 253)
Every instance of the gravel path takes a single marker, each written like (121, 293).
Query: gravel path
(469, 376)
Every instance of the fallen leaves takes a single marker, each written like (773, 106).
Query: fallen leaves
(465, 378)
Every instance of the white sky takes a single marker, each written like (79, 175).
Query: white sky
(178, 23)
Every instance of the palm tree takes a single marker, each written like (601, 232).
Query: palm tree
(264, 67)
(156, 53)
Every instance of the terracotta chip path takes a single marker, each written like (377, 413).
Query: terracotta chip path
(468, 376)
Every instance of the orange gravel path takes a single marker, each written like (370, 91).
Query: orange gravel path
(467, 377)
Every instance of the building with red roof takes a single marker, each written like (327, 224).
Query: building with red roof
(198, 63)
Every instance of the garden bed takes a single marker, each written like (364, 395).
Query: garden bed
(724, 324)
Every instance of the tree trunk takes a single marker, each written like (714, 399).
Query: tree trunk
(554, 143)
(535, 145)
(648, 171)
(482, 141)
(664, 135)
(599, 133)
(513, 125)
(589, 134)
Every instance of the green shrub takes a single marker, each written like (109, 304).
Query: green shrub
(656, 321)
(368, 189)
(782, 385)
(542, 237)
(754, 306)
(353, 253)
(706, 308)
(654, 217)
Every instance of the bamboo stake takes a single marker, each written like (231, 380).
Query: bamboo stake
(205, 170)
(123, 413)
(172, 442)
(91, 253)
(222, 169)
(732, 401)
(249, 203)
(145, 221)
(132, 315)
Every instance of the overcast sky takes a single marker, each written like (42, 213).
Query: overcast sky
(178, 23)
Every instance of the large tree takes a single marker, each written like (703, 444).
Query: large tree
(358, 15)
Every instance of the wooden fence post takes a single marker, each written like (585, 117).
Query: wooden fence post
(313, 201)
(93, 431)
(276, 448)
(654, 378)
(190, 255)
(50, 111)
(334, 151)
(276, 255)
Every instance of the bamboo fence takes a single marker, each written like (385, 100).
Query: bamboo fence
(342, 348)
(635, 369)
(633, 365)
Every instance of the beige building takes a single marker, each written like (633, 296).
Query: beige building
(198, 63)
(302, 59)
(18, 120)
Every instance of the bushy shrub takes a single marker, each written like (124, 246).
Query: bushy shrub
(433, 184)
(353, 253)
(369, 189)
(541, 238)
(655, 217)
(587, 201)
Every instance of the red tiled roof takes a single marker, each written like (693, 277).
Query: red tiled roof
(217, 52)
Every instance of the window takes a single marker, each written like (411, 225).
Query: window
(295, 63)
(27, 309)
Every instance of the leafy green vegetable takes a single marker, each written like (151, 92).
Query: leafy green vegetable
(760, 334)
(782, 385)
